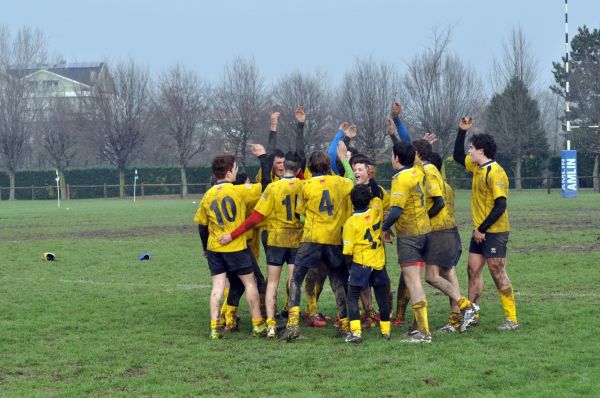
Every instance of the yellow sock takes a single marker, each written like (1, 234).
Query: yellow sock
(355, 326)
(345, 324)
(385, 327)
(463, 303)
(507, 297)
(258, 322)
(230, 312)
(214, 325)
(420, 312)
(224, 306)
(293, 317)
(272, 323)
(454, 319)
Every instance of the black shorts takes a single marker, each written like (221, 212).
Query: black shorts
(411, 249)
(443, 248)
(363, 276)
(239, 262)
(494, 245)
(311, 255)
(281, 255)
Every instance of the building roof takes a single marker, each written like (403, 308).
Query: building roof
(82, 72)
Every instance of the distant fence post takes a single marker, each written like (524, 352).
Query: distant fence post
(33, 192)
(68, 191)
(104, 190)
(142, 189)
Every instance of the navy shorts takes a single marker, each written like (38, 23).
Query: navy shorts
(281, 255)
(494, 245)
(443, 248)
(239, 262)
(311, 255)
(411, 249)
(363, 276)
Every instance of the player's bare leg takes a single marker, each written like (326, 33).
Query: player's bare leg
(253, 299)
(475, 265)
(497, 267)
(218, 287)
(455, 318)
(412, 277)
(273, 275)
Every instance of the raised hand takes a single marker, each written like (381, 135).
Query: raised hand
(430, 137)
(257, 150)
(391, 127)
(342, 151)
(274, 120)
(344, 126)
(466, 122)
(299, 114)
(350, 132)
(396, 108)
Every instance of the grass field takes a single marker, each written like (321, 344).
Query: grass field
(99, 322)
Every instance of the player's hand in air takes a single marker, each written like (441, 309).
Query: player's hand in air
(299, 114)
(466, 122)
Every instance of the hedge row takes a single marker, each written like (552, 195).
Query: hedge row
(198, 177)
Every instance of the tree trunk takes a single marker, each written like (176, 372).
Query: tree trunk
(11, 178)
(518, 174)
(184, 190)
(122, 184)
(63, 185)
(595, 174)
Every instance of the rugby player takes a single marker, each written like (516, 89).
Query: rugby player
(489, 213)
(220, 211)
(365, 255)
(323, 203)
(408, 214)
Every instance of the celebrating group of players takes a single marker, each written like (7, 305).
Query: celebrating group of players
(326, 216)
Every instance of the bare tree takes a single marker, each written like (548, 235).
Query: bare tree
(365, 94)
(58, 138)
(239, 105)
(551, 109)
(19, 103)
(313, 93)
(181, 110)
(118, 112)
(438, 89)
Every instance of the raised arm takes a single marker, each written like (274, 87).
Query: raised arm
(332, 151)
(273, 133)
(459, 144)
(400, 127)
(300, 120)
(266, 163)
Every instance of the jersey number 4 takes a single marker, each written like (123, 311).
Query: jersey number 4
(326, 205)
(229, 213)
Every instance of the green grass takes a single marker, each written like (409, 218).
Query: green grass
(100, 322)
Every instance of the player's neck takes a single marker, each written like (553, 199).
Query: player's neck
(224, 180)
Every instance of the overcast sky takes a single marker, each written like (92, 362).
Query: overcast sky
(284, 35)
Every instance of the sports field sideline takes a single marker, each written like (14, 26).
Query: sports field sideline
(100, 322)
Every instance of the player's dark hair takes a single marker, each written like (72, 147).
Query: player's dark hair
(240, 178)
(436, 160)
(278, 153)
(292, 162)
(423, 148)
(360, 158)
(221, 164)
(352, 150)
(485, 142)
(319, 163)
(405, 152)
(361, 196)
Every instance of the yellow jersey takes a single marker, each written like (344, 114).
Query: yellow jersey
(223, 209)
(489, 183)
(278, 204)
(434, 185)
(449, 200)
(408, 193)
(362, 239)
(324, 200)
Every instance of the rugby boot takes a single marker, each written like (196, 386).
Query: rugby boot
(507, 324)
